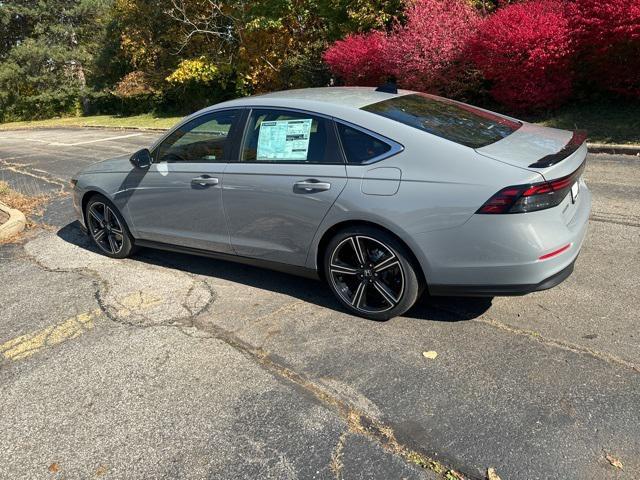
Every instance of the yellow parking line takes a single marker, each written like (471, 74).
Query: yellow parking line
(26, 345)
(30, 343)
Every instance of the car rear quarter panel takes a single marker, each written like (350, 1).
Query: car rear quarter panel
(505, 249)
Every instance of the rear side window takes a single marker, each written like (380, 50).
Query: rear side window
(444, 118)
(283, 136)
(360, 147)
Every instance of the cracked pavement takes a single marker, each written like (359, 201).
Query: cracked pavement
(189, 367)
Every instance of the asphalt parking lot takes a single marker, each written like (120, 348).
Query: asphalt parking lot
(173, 366)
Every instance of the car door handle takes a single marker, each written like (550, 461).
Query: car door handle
(205, 180)
(311, 185)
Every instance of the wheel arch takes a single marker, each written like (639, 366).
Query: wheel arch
(331, 231)
(90, 192)
(86, 196)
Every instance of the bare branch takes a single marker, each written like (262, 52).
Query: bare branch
(212, 22)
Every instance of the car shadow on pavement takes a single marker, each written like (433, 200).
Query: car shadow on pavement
(443, 309)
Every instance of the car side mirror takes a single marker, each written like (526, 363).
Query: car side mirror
(141, 159)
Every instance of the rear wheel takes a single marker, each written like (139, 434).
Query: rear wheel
(371, 273)
(107, 228)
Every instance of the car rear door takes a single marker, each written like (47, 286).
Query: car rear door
(178, 200)
(289, 173)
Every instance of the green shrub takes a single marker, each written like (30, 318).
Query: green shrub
(37, 107)
(108, 103)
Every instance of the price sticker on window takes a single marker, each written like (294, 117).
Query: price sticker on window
(284, 139)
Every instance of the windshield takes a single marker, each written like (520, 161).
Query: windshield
(451, 120)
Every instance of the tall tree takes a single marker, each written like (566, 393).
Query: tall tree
(47, 49)
(276, 44)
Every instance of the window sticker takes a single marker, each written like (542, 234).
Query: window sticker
(284, 139)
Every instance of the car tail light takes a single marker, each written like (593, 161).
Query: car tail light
(532, 197)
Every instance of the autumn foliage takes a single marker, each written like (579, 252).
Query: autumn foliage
(525, 50)
(606, 35)
(360, 59)
(532, 55)
(423, 53)
(426, 53)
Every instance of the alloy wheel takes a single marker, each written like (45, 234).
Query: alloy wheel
(367, 274)
(105, 228)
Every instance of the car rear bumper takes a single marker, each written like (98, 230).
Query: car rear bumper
(501, 290)
(495, 255)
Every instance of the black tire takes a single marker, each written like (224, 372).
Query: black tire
(385, 285)
(107, 229)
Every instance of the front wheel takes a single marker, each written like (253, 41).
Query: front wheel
(107, 228)
(371, 273)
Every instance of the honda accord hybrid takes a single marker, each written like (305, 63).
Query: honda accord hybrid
(382, 193)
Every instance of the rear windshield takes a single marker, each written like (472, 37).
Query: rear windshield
(453, 121)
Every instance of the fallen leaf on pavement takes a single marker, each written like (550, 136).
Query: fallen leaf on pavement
(453, 475)
(54, 467)
(614, 461)
(430, 354)
(492, 475)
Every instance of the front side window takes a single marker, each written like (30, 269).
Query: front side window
(284, 136)
(203, 139)
(360, 147)
(453, 121)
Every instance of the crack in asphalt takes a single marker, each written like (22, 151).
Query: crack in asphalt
(537, 337)
(572, 347)
(196, 326)
(21, 169)
(336, 464)
(604, 219)
(358, 422)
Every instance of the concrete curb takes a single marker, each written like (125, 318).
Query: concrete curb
(16, 223)
(614, 149)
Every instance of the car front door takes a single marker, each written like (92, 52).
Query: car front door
(289, 173)
(178, 200)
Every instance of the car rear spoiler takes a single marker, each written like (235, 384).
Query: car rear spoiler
(578, 138)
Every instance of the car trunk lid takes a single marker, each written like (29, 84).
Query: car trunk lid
(555, 154)
(551, 152)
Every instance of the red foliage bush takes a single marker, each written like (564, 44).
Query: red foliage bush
(525, 50)
(426, 52)
(606, 35)
(423, 54)
(530, 52)
(359, 59)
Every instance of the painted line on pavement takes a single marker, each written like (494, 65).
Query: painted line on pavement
(60, 144)
(26, 345)
(63, 144)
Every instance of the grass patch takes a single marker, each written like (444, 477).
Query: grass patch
(109, 121)
(605, 121)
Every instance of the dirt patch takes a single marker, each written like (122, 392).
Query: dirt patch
(29, 205)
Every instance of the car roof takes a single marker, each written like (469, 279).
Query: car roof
(356, 97)
(353, 97)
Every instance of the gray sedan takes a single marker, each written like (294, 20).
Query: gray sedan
(381, 193)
